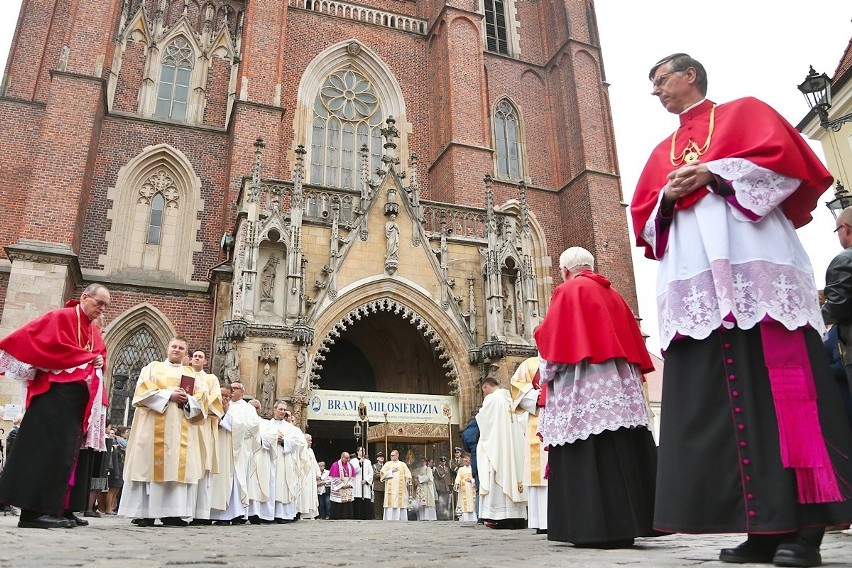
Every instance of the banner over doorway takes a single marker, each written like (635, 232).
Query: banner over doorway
(400, 407)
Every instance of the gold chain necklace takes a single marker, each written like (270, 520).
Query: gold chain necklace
(692, 152)
(88, 346)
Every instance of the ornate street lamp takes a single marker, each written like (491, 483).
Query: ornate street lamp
(842, 199)
(817, 91)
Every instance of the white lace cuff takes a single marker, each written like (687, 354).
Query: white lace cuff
(15, 369)
(757, 189)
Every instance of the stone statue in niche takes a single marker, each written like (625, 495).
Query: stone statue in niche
(509, 230)
(267, 279)
(267, 391)
(392, 234)
(232, 364)
(508, 316)
(303, 376)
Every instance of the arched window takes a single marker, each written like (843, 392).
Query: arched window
(507, 139)
(347, 115)
(173, 94)
(496, 36)
(137, 351)
(155, 225)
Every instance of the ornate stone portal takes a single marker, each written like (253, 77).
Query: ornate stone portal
(310, 260)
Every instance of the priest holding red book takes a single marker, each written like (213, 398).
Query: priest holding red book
(163, 463)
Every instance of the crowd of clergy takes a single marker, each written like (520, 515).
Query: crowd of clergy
(199, 453)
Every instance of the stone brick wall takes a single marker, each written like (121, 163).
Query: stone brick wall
(62, 153)
(126, 98)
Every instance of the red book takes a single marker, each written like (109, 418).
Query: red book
(187, 383)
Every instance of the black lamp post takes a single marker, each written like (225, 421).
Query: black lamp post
(842, 199)
(817, 91)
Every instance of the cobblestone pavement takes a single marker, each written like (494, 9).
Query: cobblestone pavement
(114, 542)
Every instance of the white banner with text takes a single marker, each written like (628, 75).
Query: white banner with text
(400, 407)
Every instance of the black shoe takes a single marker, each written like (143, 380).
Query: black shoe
(222, 523)
(75, 519)
(751, 551)
(238, 521)
(91, 514)
(606, 544)
(255, 520)
(46, 522)
(143, 522)
(797, 553)
(173, 522)
(200, 522)
(540, 531)
(510, 524)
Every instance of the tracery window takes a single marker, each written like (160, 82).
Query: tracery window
(496, 33)
(155, 225)
(140, 349)
(507, 139)
(347, 115)
(175, 76)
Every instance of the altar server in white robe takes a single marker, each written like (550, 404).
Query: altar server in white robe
(290, 453)
(225, 503)
(308, 506)
(500, 459)
(246, 439)
(363, 485)
(261, 479)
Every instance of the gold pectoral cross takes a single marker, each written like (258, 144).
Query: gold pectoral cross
(692, 152)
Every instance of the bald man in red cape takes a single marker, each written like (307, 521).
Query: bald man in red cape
(596, 420)
(56, 355)
(746, 379)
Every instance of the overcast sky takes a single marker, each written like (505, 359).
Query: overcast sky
(759, 48)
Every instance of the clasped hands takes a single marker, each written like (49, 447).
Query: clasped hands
(685, 180)
(179, 395)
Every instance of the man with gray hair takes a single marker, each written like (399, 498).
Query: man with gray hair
(57, 357)
(595, 419)
(746, 379)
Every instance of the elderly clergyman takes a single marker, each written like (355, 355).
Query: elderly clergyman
(57, 356)
(595, 419)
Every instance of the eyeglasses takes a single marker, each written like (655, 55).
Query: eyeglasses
(99, 302)
(661, 80)
(837, 228)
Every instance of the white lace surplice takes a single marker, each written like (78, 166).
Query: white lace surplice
(586, 399)
(24, 372)
(721, 268)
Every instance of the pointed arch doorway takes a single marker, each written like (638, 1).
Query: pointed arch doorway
(384, 352)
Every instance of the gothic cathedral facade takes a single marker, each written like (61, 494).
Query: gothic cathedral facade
(340, 194)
